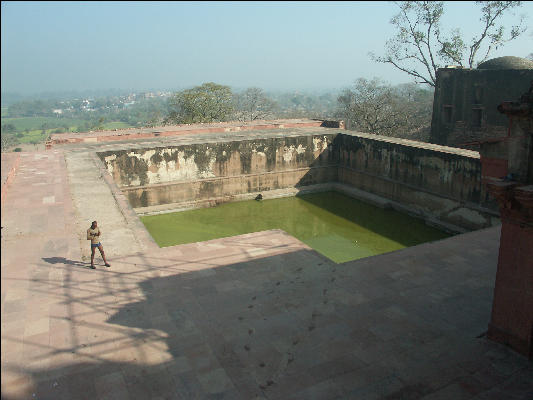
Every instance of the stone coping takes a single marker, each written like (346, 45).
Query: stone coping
(274, 133)
(194, 138)
(144, 133)
(414, 143)
(185, 127)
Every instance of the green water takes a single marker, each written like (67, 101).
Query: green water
(335, 225)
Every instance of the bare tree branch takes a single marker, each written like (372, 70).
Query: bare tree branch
(420, 47)
(253, 104)
(376, 107)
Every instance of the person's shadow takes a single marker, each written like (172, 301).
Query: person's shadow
(63, 260)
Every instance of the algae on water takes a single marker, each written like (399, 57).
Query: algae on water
(337, 226)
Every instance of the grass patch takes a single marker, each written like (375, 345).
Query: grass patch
(116, 125)
(33, 136)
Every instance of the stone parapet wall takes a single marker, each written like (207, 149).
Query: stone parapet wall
(200, 171)
(437, 183)
(444, 171)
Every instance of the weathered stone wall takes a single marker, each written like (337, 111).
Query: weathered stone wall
(436, 182)
(440, 184)
(217, 170)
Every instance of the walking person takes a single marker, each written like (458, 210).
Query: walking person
(93, 234)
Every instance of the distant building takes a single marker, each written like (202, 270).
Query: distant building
(465, 102)
(57, 111)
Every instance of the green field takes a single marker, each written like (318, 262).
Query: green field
(29, 129)
(34, 123)
(32, 136)
(116, 125)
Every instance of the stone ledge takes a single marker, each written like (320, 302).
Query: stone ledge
(177, 130)
(413, 143)
(267, 195)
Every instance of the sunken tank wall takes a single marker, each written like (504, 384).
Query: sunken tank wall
(196, 172)
(435, 182)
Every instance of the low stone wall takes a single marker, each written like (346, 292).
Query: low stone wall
(221, 170)
(186, 129)
(437, 183)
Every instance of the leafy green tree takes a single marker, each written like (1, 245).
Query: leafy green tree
(7, 141)
(9, 128)
(421, 46)
(209, 102)
(155, 119)
(100, 124)
(32, 108)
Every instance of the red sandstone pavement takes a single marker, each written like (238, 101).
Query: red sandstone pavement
(52, 302)
(253, 316)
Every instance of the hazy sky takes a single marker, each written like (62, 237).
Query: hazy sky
(64, 46)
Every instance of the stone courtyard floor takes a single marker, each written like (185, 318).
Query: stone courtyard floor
(257, 316)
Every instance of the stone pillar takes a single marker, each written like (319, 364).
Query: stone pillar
(512, 310)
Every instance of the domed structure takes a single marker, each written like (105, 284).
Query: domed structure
(466, 99)
(508, 62)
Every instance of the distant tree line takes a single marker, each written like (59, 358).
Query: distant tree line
(372, 106)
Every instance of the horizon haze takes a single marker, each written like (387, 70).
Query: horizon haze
(51, 47)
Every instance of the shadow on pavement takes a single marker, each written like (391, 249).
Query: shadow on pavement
(63, 260)
(307, 329)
